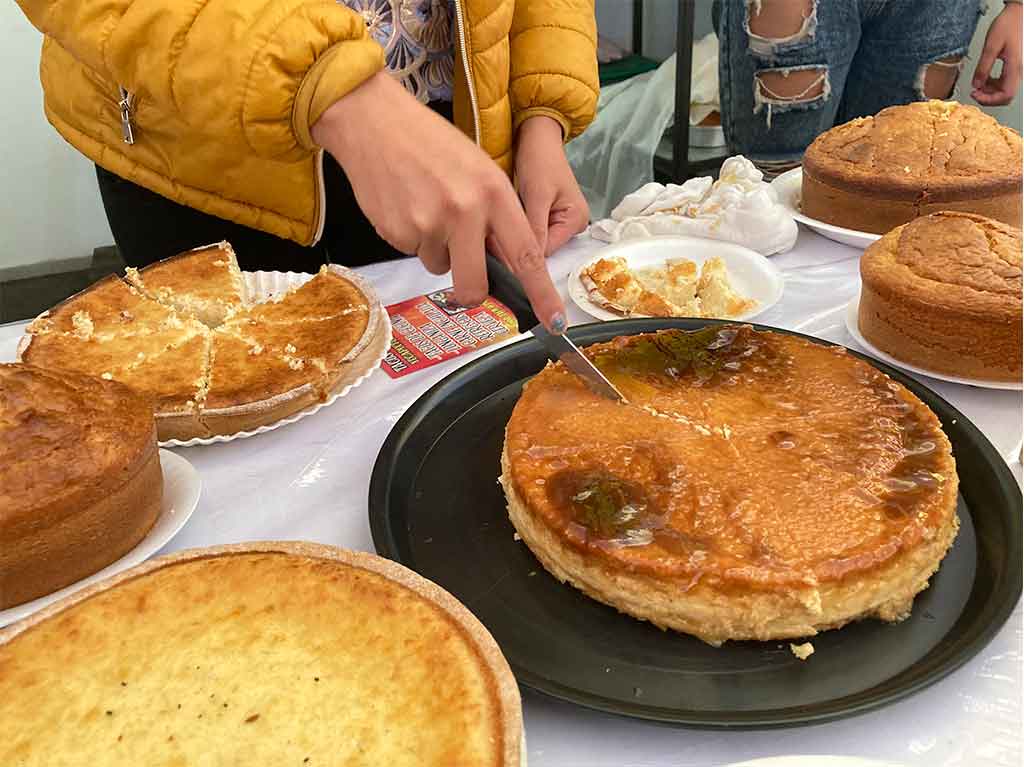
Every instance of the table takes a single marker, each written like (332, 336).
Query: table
(309, 480)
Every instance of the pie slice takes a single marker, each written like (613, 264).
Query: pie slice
(167, 365)
(328, 294)
(251, 385)
(175, 379)
(205, 282)
(106, 309)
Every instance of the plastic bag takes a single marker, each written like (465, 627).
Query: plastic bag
(615, 155)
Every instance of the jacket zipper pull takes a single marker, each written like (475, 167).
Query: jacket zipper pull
(125, 104)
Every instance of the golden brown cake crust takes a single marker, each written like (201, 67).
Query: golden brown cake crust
(357, 641)
(80, 480)
(944, 293)
(877, 172)
(732, 497)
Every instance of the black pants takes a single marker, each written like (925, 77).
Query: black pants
(148, 227)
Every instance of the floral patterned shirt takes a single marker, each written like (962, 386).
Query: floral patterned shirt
(417, 39)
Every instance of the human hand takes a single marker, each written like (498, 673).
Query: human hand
(430, 191)
(1002, 42)
(554, 204)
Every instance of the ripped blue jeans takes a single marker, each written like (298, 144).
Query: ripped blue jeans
(854, 58)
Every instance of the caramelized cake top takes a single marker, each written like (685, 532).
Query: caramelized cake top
(750, 458)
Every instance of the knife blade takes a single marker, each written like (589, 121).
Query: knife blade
(504, 286)
(561, 348)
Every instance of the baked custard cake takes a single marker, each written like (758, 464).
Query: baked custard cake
(755, 485)
(259, 363)
(273, 653)
(205, 283)
(80, 480)
(874, 173)
(944, 293)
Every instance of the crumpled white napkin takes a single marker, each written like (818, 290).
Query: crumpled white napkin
(740, 207)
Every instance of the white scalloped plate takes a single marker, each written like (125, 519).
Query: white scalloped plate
(181, 496)
(787, 186)
(364, 358)
(853, 327)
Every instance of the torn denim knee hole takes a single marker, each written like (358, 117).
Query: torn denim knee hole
(808, 93)
(938, 79)
(761, 45)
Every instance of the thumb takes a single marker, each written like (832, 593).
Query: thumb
(538, 212)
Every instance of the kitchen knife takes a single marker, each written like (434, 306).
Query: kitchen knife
(505, 286)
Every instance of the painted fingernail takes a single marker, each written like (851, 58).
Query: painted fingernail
(558, 324)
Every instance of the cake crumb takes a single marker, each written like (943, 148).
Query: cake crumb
(802, 651)
(82, 323)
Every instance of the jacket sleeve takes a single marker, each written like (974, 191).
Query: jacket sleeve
(554, 62)
(254, 71)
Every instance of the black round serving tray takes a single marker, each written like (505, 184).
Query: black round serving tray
(436, 507)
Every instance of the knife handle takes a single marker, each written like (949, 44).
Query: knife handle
(505, 286)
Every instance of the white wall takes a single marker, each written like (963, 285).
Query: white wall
(51, 212)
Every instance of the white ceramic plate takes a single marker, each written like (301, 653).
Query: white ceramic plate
(787, 187)
(366, 356)
(813, 761)
(751, 274)
(181, 495)
(853, 326)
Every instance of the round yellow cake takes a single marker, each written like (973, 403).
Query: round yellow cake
(755, 485)
(874, 173)
(944, 293)
(80, 479)
(258, 654)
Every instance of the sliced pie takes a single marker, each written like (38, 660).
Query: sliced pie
(258, 365)
(205, 282)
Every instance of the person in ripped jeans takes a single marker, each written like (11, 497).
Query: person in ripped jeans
(791, 69)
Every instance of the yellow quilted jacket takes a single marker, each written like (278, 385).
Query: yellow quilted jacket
(210, 102)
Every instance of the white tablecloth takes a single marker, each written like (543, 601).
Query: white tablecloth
(309, 481)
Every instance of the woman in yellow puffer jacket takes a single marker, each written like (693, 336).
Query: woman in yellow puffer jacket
(210, 119)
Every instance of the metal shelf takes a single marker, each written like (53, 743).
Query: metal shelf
(675, 160)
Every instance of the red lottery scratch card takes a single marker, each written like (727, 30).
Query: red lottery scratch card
(433, 328)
